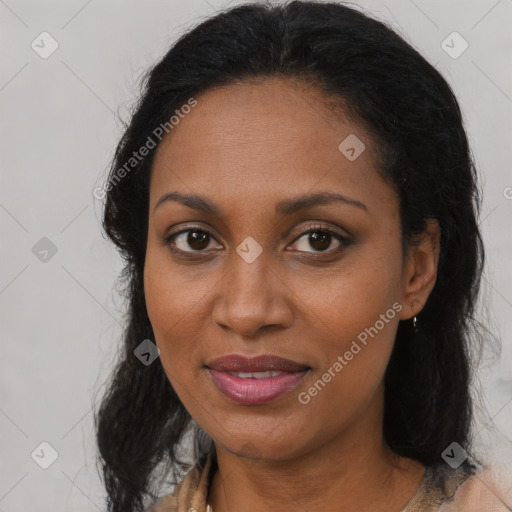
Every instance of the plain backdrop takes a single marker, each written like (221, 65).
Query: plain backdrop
(60, 122)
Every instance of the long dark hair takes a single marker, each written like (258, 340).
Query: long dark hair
(414, 116)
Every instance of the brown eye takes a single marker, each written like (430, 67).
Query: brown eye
(320, 239)
(195, 239)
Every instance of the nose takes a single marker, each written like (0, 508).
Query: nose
(251, 297)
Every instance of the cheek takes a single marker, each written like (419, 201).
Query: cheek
(167, 305)
(355, 354)
(160, 294)
(357, 313)
(352, 299)
(176, 309)
(171, 298)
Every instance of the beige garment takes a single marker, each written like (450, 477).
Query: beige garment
(489, 491)
(442, 490)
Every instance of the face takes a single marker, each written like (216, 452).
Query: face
(251, 271)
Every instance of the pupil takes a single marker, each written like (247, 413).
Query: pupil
(196, 240)
(318, 241)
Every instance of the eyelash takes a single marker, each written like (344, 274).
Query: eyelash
(343, 240)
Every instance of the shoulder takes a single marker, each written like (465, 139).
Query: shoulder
(485, 490)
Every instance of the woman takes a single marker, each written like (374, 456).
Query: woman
(297, 207)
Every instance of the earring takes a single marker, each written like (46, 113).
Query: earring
(414, 321)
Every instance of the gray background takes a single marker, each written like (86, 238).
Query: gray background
(61, 319)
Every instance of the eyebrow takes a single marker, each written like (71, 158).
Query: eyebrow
(284, 207)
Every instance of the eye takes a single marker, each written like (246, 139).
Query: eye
(320, 239)
(195, 238)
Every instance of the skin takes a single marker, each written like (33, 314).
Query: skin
(246, 147)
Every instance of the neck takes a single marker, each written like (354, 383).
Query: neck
(351, 472)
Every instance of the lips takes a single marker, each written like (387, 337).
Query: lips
(264, 363)
(257, 380)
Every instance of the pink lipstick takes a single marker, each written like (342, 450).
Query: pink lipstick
(256, 380)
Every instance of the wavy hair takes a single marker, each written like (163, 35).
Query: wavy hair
(389, 88)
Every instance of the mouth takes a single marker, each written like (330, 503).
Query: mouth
(257, 380)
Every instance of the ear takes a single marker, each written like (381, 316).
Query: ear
(420, 269)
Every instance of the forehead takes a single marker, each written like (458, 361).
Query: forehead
(269, 138)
